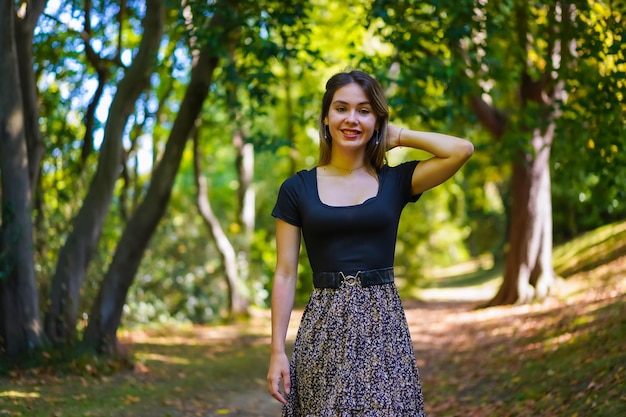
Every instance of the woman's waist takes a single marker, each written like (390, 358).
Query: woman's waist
(362, 277)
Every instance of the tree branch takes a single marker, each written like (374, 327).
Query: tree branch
(491, 118)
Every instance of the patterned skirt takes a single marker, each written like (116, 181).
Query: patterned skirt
(353, 357)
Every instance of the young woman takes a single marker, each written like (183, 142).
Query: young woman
(353, 354)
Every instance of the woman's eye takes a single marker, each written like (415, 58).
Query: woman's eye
(340, 109)
(364, 111)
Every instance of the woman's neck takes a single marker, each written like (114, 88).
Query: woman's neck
(347, 168)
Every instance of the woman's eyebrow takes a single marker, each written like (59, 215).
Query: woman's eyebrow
(363, 103)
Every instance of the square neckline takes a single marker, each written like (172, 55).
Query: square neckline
(366, 202)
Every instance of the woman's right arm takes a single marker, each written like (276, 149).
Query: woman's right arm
(283, 291)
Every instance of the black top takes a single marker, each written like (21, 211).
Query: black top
(347, 238)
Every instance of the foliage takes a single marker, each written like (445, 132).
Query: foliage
(269, 87)
(448, 51)
(587, 173)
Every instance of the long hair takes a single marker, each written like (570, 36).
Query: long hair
(375, 154)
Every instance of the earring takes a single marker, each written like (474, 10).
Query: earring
(377, 136)
(326, 132)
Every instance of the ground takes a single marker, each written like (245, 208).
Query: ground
(560, 357)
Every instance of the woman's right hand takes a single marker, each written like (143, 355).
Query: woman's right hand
(279, 369)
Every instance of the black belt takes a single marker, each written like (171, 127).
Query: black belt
(364, 278)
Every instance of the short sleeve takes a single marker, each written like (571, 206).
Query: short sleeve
(286, 207)
(404, 177)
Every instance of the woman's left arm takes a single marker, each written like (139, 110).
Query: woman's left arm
(449, 155)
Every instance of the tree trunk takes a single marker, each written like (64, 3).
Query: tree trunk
(247, 210)
(81, 243)
(24, 41)
(20, 329)
(237, 300)
(246, 195)
(528, 271)
(107, 310)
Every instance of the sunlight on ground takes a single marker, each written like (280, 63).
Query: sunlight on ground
(597, 247)
(471, 291)
(484, 262)
(162, 358)
(18, 394)
(474, 293)
(256, 326)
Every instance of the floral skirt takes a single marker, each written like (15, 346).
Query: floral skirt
(353, 357)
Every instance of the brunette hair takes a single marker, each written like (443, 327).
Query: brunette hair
(375, 155)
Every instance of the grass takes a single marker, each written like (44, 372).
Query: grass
(561, 357)
(591, 250)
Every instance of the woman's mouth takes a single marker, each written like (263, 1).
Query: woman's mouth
(351, 133)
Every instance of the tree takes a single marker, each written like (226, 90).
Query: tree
(107, 310)
(507, 65)
(20, 155)
(528, 271)
(238, 301)
(75, 255)
(210, 41)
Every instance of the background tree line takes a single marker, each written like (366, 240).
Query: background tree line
(142, 143)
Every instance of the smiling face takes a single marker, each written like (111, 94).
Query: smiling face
(351, 120)
(353, 106)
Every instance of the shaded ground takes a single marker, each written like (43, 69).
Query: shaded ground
(561, 357)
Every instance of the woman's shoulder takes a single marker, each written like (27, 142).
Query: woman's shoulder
(397, 180)
(300, 178)
(406, 166)
(303, 174)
